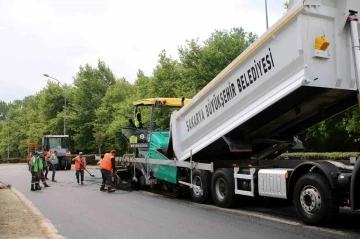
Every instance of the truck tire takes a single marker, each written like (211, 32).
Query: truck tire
(315, 202)
(223, 187)
(203, 179)
(124, 184)
(68, 166)
(61, 164)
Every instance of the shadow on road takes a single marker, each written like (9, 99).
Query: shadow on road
(347, 220)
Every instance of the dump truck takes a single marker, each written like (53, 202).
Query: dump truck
(222, 144)
(61, 144)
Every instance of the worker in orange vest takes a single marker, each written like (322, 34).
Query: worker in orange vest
(107, 168)
(80, 165)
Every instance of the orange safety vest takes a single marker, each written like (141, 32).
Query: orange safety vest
(78, 160)
(106, 161)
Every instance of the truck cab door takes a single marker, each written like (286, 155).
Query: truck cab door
(45, 144)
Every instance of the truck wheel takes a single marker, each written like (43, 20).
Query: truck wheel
(203, 179)
(223, 187)
(142, 182)
(68, 167)
(315, 202)
(124, 184)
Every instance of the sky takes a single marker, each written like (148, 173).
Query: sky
(56, 37)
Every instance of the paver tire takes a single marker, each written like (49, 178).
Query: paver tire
(203, 179)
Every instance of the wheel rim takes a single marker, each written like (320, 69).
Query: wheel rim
(197, 182)
(310, 200)
(220, 188)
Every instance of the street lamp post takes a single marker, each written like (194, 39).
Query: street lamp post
(8, 136)
(7, 118)
(46, 75)
(3, 117)
(83, 80)
(266, 13)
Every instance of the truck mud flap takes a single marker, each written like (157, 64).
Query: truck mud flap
(355, 187)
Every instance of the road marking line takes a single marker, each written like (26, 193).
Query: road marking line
(49, 230)
(327, 230)
(253, 214)
(259, 215)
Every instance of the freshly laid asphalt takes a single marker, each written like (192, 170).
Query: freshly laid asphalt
(82, 211)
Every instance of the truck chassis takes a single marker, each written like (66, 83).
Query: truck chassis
(317, 188)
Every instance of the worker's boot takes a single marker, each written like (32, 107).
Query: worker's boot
(37, 186)
(77, 180)
(32, 187)
(82, 182)
(102, 188)
(46, 185)
(110, 189)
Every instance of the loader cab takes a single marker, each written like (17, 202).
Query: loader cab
(60, 143)
(146, 128)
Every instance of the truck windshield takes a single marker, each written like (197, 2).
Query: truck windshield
(57, 143)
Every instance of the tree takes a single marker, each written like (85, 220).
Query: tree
(51, 103)
(200, 63)
(99, 138)
(86, 99)
(3, 108)
(113, 114)
(100, 104)
(286, 5)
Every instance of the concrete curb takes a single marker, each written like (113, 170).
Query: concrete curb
(72, 166)
(47, 227)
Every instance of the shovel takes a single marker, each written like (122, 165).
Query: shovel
(89, 173)
(86, 169)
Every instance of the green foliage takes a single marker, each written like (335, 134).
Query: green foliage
(339, 133)
(3, 110)
(112, 115)
(92, 85)
(200, 63)
(13, 160)
(286, 5)
(320, 156)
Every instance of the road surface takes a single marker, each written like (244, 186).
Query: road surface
(82, 211)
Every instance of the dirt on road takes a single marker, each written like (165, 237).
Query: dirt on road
(20, 219)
